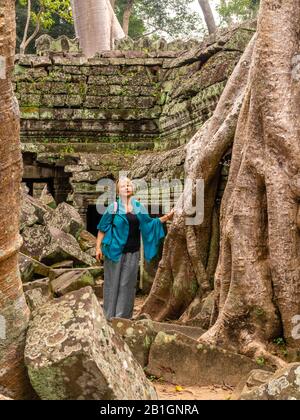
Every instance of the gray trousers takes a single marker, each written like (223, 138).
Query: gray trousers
(120, 279)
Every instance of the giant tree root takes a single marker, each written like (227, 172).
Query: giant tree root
(185, 268)
(257, 282)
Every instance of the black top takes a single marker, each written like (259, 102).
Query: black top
(134, 241)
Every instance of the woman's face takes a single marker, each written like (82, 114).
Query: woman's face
(125, 188)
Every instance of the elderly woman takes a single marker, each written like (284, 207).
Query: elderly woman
(118, 242)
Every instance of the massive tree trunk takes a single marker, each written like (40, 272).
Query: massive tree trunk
(126, 15)
(257, 283)
(96, 25)
(14, 313)
(208, 16)
(26, 40)
(188, 251)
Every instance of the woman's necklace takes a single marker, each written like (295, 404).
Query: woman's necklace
(128, 206)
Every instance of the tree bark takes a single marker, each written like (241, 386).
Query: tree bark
(257, 282)
(96, 25)
(23, 46)
(14, 313)
(126, 16)
(26, 40)
(208, 16)
(182, 274)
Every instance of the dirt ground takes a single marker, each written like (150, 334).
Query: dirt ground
(167, 391)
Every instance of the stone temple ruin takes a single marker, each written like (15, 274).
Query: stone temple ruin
(87, 119)
(82, 120)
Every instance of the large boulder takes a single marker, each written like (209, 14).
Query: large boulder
(63, 247)
(86, 240)
(47, 199)
(66, 218)
(27, 216)
(71, 280)
(30, 269)
(34, 208)
(139, 335)
(35, 239)
(37, 293)
(96, 272)
(63, 265)
(73, 354)
(178, 358)
(283, 385)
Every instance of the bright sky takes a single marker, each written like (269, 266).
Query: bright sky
(195, 6)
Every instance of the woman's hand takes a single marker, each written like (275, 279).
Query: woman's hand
(99, 254)
(167, 216)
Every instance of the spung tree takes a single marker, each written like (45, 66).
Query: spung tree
(257, 277)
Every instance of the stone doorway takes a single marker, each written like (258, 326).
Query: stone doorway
(37, 175)
(92, 219)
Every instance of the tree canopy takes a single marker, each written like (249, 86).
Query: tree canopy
(52, 16)
(173, 18)
(237, 10)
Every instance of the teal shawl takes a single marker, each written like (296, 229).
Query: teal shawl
(116, 236)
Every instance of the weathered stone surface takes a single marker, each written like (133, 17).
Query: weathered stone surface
(283, 385)
(37, 293)
(128, 85)
(180, 359)
(43, 284)
(86, 240)
(35, 239)
(253, 380)
(139, 335)
(65, 247)
(30, 268)
(63, 265)
(29, 203)
(72, 354)
(65, 218)
(28, 216)
(192, 332)
(71, 281)
(95, 271)
(47, 199)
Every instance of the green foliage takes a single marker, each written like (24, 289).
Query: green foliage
(66, 150)
(172, 18)
(279, 341)
(237, 10)
(44, 11)
(260, 361)
(136, 26)
(55, 18)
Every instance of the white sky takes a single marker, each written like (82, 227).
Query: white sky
(195, 6)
